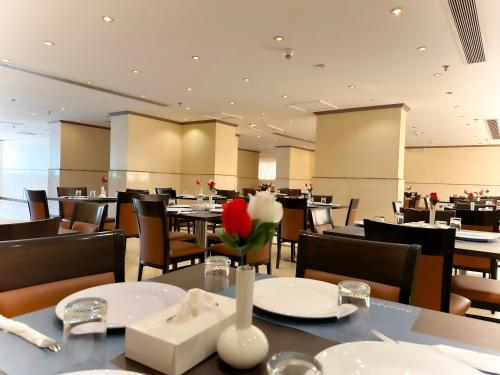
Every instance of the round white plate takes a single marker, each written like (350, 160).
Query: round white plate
(381, 358)
(102, 372)
(128, 302)
(475, 236)
(299, 298)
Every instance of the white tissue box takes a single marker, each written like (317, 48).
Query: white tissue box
(174, 348)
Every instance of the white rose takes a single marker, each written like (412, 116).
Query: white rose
(263, 206)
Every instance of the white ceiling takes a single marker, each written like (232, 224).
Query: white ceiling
(359, 41)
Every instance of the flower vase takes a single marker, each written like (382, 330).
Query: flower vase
(432, 215)
(472, 204)
(243, 345)
(103, 192)
(210, 200)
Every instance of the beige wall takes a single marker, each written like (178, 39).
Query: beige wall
(226, 157)
(248, 169)
(450, 170)
(294, 167)
(361, 154)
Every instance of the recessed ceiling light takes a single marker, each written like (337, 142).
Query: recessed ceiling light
(258, 136)
(284, 96)
(290, 121)
(422, 48)
(373, 100)
(90, 82)
(462, 116)
(33, 113)
(246, 79)
(12, 100)
(418, 133)
(188, 108)
(196, 58)
(449, 92)
(136, 71)
(143, 96)
(63, 109)
(189, 89)
(305, 139)
(279, 38)
(108, 19)
(263, 113)
(397, 11)
(437, 74)
(351, 86)
(320, 66)
(184, 119)
(49, 43)
(6, 60)
(231, 103)
(252, 125)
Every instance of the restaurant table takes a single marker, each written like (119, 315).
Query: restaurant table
(84, 199)
(201, 219)
(401, 322)
(192, 197)
(490, 249)
(333, 206)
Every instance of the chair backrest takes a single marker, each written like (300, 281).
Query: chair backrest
(328, 198)
(261, 256)
(153, 235)
(165, 198)
(248, 191)
(463, 205)
(321, 219)
(228, 194)
(138, 191)
(412, 215)
(486, 221)
(37, 204)
(352, 212)
(427, 203)
(66, 207)
(30, 229)
(88, 217)
(433, 278)
(388, 268)
(294, 218)
(38, 273)
(445, 215)
(397, 207)
(126, 219)
(169, 191)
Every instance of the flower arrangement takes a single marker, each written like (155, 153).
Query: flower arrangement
(198, 182)
(309, 188)
(248, 227)
(211, 186)
(433, 198)
(469, 194)
(104, 178)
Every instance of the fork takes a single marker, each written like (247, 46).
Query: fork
(382, 337)
(51, 345)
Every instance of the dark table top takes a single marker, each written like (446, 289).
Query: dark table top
(84, 199)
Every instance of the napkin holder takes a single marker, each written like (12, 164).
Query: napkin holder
(173, 348)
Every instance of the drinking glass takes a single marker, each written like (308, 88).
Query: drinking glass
(171, 202)
(216, 273)
(78, 193)
(85, 333)
(399, 218)
(456, 222)
(441, 224)
(356, 325)
(323, 199)
(293, 363)
(92, 194)
(379, 218)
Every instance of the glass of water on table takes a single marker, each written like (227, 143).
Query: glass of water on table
(355, 326)
(216, 273)
(456, 222)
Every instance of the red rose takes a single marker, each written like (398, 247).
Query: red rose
(236, 219)
(198, 182)
(470, 196)
(104, 178)
(433, 197)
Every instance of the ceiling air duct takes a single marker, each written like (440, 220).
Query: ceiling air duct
(492, 126)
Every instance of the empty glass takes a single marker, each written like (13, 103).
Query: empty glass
(399, 218)
(92, 194)
(78, 193)
(323, 199)
(85, 333)
(293, 363)
(379, 218)
(354, 326)
(456, 222)
(171, 202)
(216, 273)
(441, 224)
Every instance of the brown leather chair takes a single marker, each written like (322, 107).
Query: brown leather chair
(29, 229)
(328, 198)
(352, 212)
(88, 217)
(126, 219)
(38, 273)
(388, 268)
(321, 219)
(37, 204)
(156, 249)
(66, 206)
(397, 207)
(412, 215)
(294, 220)
(248, 191)
(257, 258)
(178, 222)
(228, 194)
(138, 191)
(433, 278)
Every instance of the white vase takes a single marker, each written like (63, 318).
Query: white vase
(432, 216)
(103, 192)
(243, 345)
(472, 204)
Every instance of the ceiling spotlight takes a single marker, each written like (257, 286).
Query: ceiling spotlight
(418, 133)
(279, 38)
(246, 79)
(143, 96)
(258, 136)
(136, 71)
(33, 113)
(189, 89)
(49, 43)
(274, 127)
(351, 86)
(449, 92)
(6, 60)
(108, 19)
(263, 113)
(290, 121)
(90, 82)
(320, 66)
(196, 58)
(231, 103)
(13, 100)
(373, 100)
(188, 108)
(397, 11)
(437, 74)
(284, 96)
(422, 48)
(184, 119)
(305, 139)
(63, 109)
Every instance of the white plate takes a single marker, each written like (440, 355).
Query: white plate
(359, 223)
(179, 209)
(130, 301)
(381, 358)
(299, 298)
(475, 236)
(103, 372)
(322, 204)
(181, 206)
(216, 210)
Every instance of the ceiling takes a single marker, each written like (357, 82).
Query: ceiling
(359, 41)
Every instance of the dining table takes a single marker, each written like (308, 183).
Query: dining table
(398, 321)
(201, 219)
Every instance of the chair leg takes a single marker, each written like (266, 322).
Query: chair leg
(278, 254)
(268, 266)
(139, 274)
(256, 268)
(293, 251)
(192, 262)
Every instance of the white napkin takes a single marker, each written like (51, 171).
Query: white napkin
(480, 361)
(24, 331)
(195, 302)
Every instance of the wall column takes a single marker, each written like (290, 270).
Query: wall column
(248, 169)
(360, 153)
(294, 167)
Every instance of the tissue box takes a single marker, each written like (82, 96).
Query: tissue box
(173, 348)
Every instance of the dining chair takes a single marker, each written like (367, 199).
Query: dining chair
(38, 273)
(388, 268)
(170, 191)
(433, 277)
(30, 229)
(352, 211)
(253, 258)
(228, 194)
(138, 191)
(294, 220)
(248, 191)
(321, 219)
(88, 217)
(412, 201)
(125, 219)
(397, 207)
(427, 203)
(178, 222)
(66, 206)
(327, 198)
(412, 215)
(37, 204)
(155, 248)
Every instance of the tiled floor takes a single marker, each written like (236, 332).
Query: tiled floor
(19, 211)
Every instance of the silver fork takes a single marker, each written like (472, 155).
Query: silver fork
(51, 345)
(382, 337)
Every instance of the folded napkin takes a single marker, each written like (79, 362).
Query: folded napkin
(195, 302)
(480, 361)
(24, 331)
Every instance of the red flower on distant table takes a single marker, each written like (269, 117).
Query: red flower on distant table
(198, 182)
(104, 178)
(433, 197)
(470, 196)
(235, 218)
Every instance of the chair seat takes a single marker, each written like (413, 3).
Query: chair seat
(180, 236)
(184, 249)
(476, 288)
(109, 226)
(109, 220)
(458, 304)
(65, 223)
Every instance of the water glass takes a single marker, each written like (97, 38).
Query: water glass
(379, 218)
(323, 199)
(293, 363)
(171, 202)
(356, 325)
(216, 273)
(85, 333)
(78, 193)
(456, 222)
(399, 218)
(92, 194)
(441, 224)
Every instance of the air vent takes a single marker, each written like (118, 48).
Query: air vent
(464, 14)
(313, 106)
(493, 128)
(222, 116)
